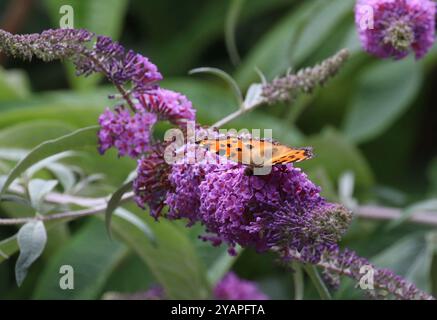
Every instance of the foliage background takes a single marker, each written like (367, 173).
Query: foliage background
(377, 119)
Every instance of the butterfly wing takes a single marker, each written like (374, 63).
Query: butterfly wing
(290, 155)
(256, 153)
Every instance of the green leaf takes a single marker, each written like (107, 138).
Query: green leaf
(32, 238)
(38, 189)
(173, 261)
(9, 246)
(114, 202)
(77, 139)
(319, 27)
(410, 257)
(16, 199)
(137, 222)
(385, 90)
(272, 53)
(217, 260)
(26, 133)
(293, 39)
(337, 155)
(222, 264)
(121, 279)
(46, 162)
(92, 256)
(64, 174)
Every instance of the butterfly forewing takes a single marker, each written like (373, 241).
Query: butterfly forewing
(254, 152)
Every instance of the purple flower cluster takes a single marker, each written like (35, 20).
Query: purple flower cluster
(119, 66)
(168, 105)
(282, 209)
(133, 75)
(231, 287)
(393, 28)
(386, 284)
(130, 134)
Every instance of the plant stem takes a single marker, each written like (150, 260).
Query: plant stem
(298, 280)
(386, 213)
(64, 215)
(228, 118)
(125, 94)
(317, 281)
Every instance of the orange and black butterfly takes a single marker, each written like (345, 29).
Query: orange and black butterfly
(255, 152)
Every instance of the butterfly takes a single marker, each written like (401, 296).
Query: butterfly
(255, 152)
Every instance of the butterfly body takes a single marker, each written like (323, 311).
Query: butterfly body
(255, 152)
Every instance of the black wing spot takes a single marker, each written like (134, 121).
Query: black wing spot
(249, 146)
(239, 149)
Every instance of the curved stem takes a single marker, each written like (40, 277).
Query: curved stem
(317, 281)
(228, 118)
(64, 215)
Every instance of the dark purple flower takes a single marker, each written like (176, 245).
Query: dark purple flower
(152, 183)
(282, 208)
(393, 28)
(129, 134)
(140, 70)
(231, 287)
(119, 66)
(168, 105)
(188, 171)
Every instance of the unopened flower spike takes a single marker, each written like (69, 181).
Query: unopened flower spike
(285, 88)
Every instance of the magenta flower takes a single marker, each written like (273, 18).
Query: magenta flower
(394, 28)
(282, 209)
(231, 287)
(129, 134)
(168, 105)
(119, 66)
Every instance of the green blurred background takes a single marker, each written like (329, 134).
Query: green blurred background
(376, 119)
